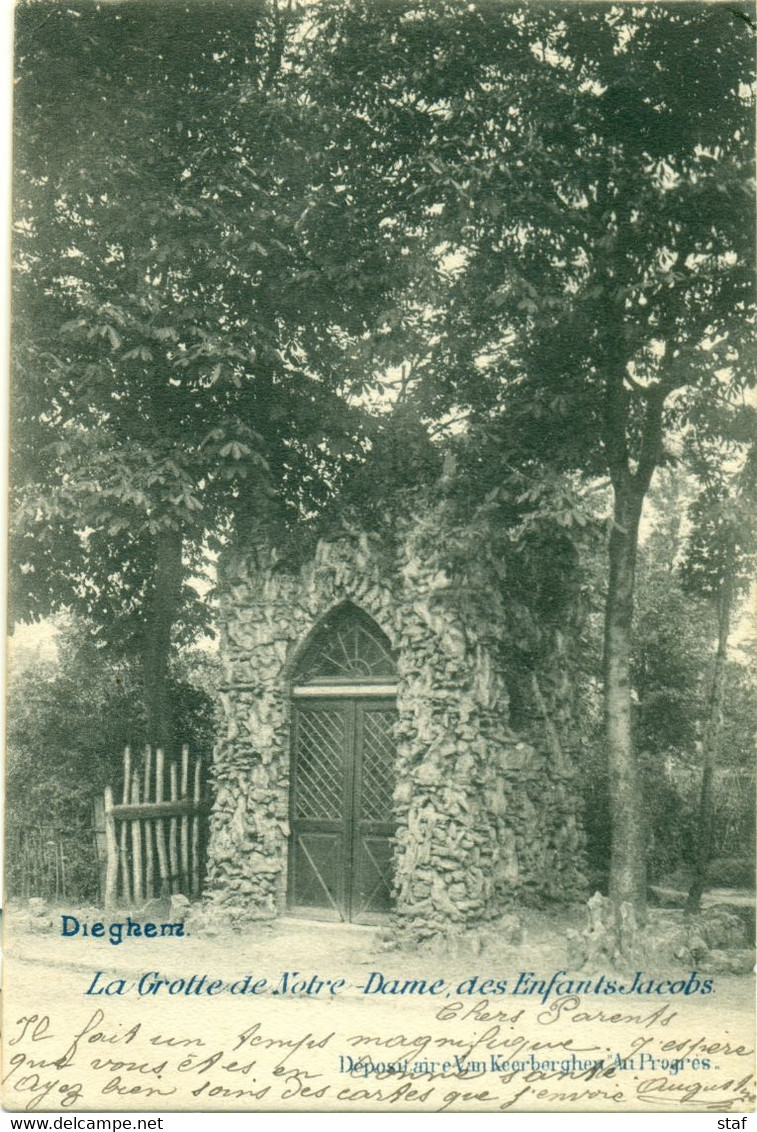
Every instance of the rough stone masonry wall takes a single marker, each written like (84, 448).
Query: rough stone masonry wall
(483, 817)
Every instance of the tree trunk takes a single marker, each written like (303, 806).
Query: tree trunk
(628, 857)
(162, 607)
(703, 848)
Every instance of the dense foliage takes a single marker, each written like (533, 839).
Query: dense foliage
(182, 283)
(65, 747)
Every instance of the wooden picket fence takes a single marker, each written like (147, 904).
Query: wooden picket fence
(153, 835)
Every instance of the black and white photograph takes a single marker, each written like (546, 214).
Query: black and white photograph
(381, 565)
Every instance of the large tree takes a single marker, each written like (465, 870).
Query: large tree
(186, 271)
(540, 215)
(572, 185)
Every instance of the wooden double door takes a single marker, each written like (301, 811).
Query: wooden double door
(341, 810)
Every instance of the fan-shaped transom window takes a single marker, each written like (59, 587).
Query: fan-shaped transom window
(347, 648)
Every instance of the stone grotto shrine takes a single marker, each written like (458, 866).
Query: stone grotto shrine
(365, 764)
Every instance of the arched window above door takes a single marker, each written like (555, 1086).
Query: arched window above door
(347, 648)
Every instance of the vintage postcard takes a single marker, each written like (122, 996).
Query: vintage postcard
(382, 493)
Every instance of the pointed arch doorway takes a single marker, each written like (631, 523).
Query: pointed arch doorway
(343, 771)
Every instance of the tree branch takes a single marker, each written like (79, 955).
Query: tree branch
(614, 430)
(651, 438)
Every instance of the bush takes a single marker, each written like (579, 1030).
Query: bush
(731, 872)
